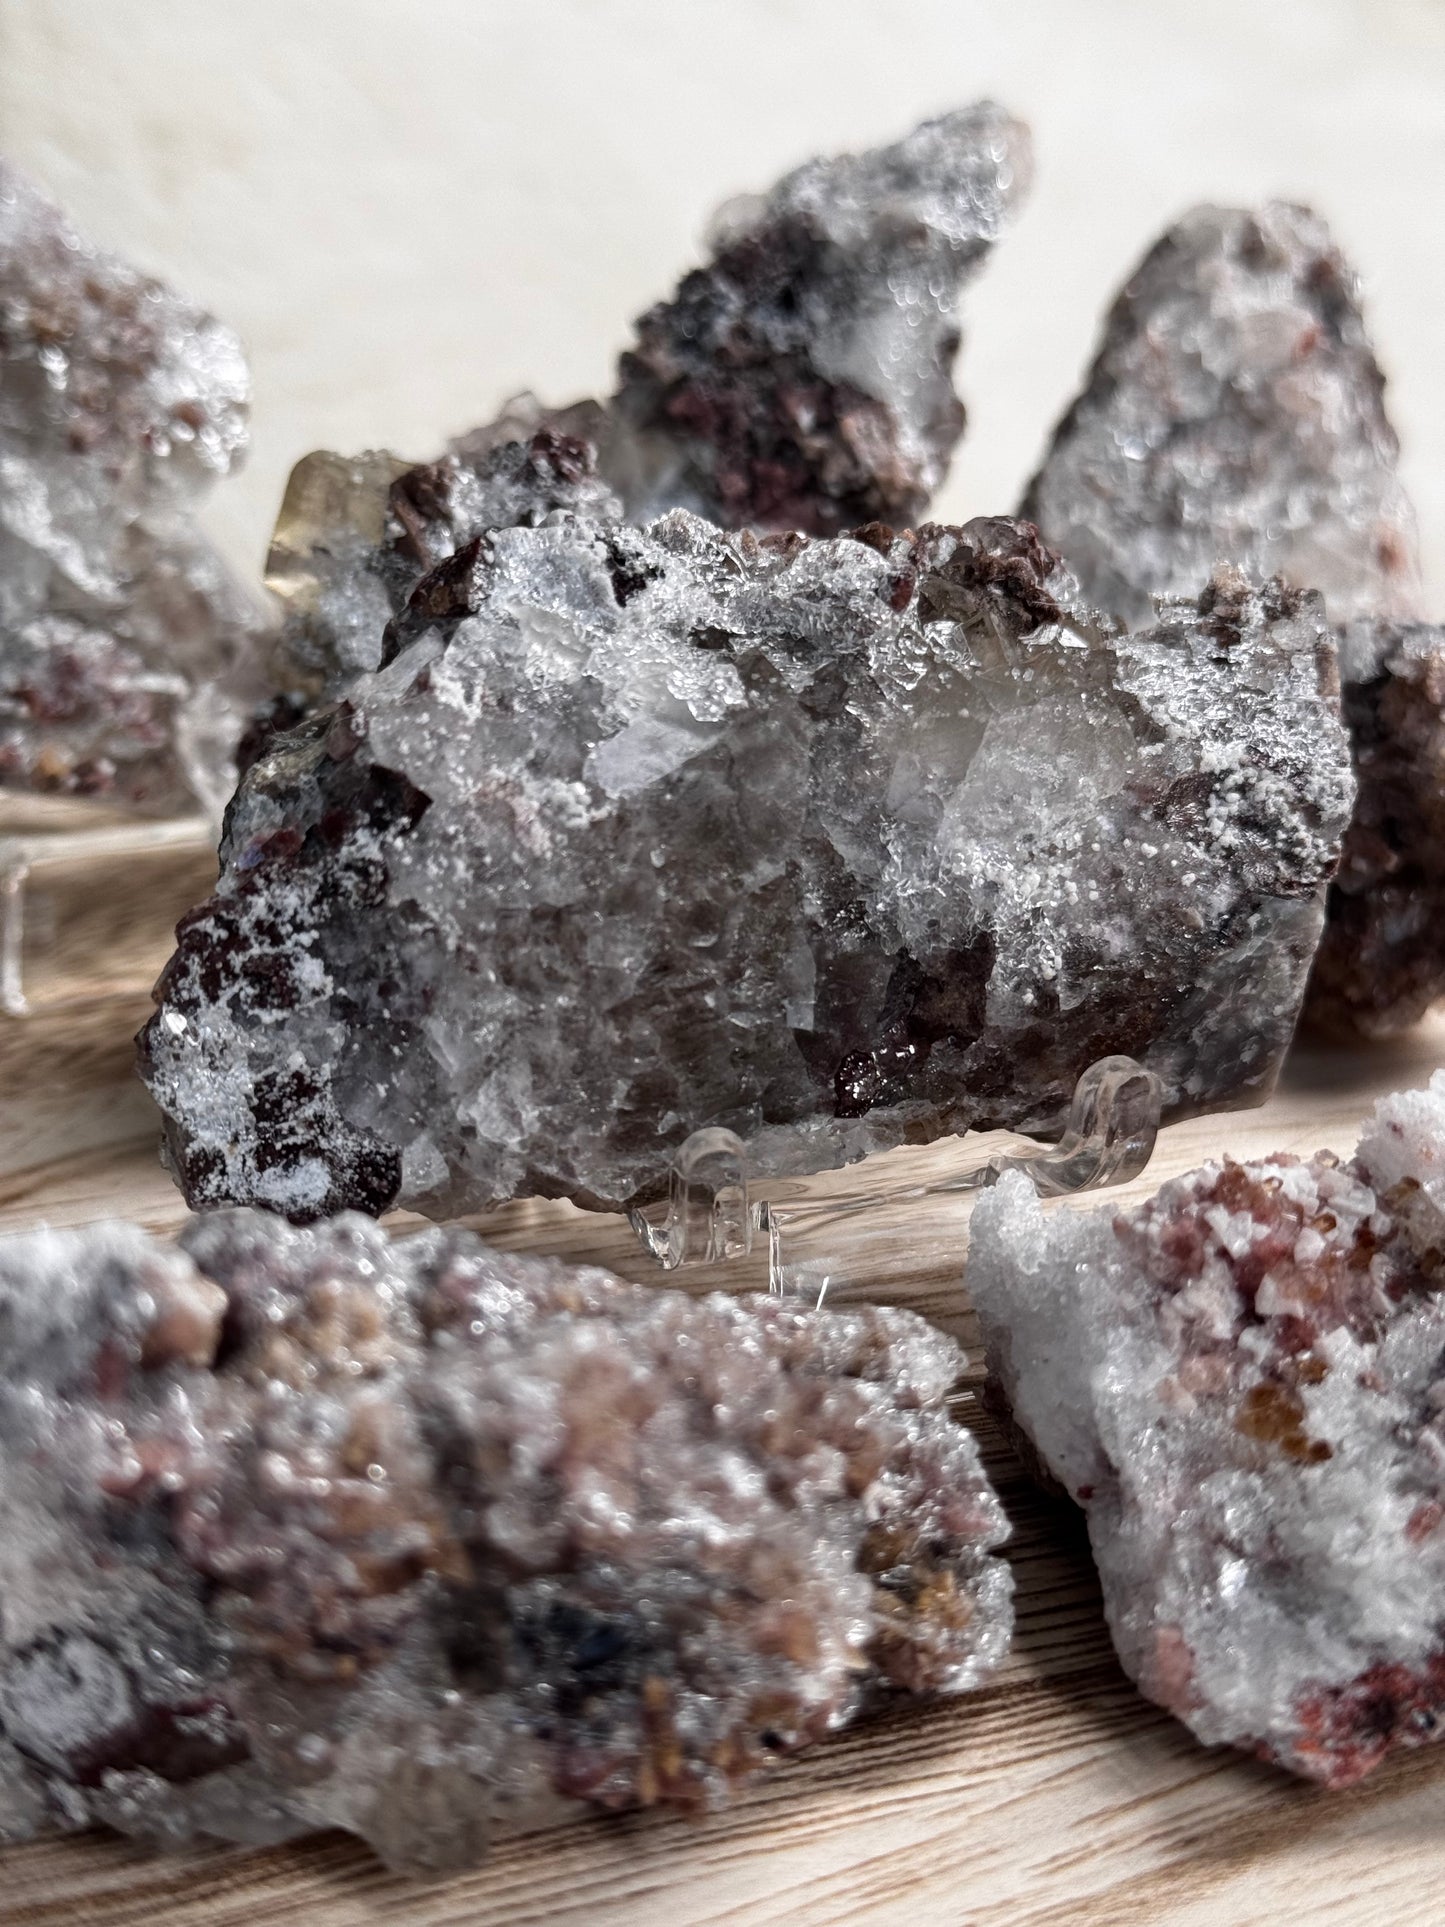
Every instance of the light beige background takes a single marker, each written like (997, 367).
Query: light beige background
(412, 208)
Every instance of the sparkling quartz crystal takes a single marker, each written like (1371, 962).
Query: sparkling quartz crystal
(801, 379)
(834, 843)
(1235, 413)
(1241, 1382)
(126, 651)
(1381, 963)
(306, 1529)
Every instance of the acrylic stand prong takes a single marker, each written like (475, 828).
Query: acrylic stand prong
(710, 1217)
(1109, 1138)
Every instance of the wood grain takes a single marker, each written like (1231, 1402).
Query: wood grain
(1055, 1798)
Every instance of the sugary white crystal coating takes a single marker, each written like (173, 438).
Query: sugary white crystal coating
(307, 1529)
(1242, 1382)
(127, 654)
(836, 843)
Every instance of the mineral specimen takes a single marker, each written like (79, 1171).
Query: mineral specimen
(1235, 413)
(801, 379)
(1241, 1382)
(836, 843)
(1381, 963)
(356, 536)
(306, 1529)
(125, 648)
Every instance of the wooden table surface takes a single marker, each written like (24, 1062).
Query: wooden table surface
(1057, 1797)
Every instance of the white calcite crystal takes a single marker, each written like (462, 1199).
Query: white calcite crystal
(127, 653)
(836, 843)
(1235, 413)
(307, 1529)
(1242, 1382)
(800, 379)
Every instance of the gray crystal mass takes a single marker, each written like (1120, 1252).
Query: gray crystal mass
(356, 535)
(127, 653)
(837, 843)
(305, 1529)
(1241, 1383)
(1381, 961)
(801, 378)
(1234, 413)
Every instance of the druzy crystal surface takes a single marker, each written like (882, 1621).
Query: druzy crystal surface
(835, 843)
(306, 1529)
(125, 648)
(800, 379)
(1235, 413)
(1241, 1383)
(1381, 963)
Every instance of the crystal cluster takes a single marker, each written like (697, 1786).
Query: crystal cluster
(837, 843)
(1241, 1383)
(305, 1529)
(1235, 413)
(1381, 963)
(357, 535)
(126, 651)
(801, 379)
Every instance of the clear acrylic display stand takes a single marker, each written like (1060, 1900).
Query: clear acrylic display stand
(818, 1242)
(89, 899)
